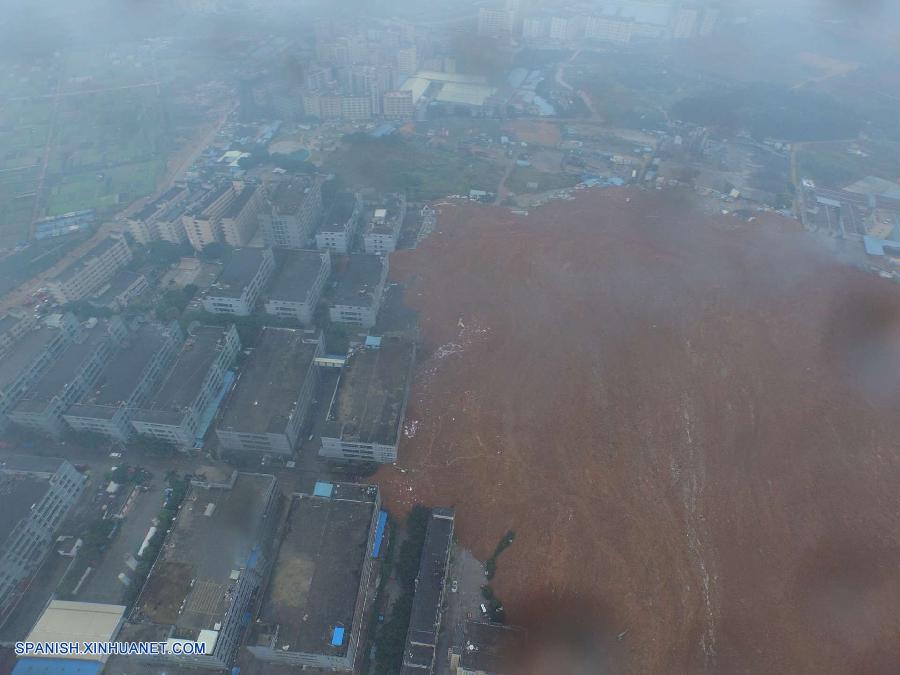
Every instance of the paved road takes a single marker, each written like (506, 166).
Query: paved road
(469, 574)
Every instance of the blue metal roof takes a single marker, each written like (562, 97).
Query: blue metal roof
(379, 533)
(323, 489)
(337, 638)
(42, 666)
(373, 341)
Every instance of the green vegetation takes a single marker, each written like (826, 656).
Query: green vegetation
(770, 111)
(523, 175)
(173, 303)
(394, 164)
(391, 637)
(834, 164)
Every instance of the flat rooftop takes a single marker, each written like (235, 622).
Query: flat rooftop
(357, 278)
(234, 209)
(215, 537)
(17, 495)
(238, 271)
(30, 464)
(316, 576)
(339, 212)
(23, 353)
(287, 197)
(123, 373)
(185, 377)
(371, 393)
(118, 283)
(488, 647)
(100, 248)
(207, 200)
(426, 608)
(67, 366)
(265, 394)
(295, 274)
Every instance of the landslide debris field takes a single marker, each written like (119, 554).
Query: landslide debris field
(690, 423)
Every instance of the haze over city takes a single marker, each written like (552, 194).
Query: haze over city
(495, 337)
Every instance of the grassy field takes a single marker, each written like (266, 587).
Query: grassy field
(834, 164)
(106, 131)
(523, 175)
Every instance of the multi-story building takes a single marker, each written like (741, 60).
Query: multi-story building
(357, 298)
(559, 28)
(420, 654)
(407, 62)
(383, 225)
(183, 404)
(267, 407)
(493, 22)
(297, 285)
(398, 105)
(120, 290)
(201, 587)
(331, 549)
(90, 271)
(144, 225)
(293, 213)
(201, 219)
(13, 327)
(685, 23)
(534, 28)
(72, 375)
(339, 224)
(369, 404)
(243, 277)
(28, 357)
(240, 220)
(126, 382)
(36, 494)
(356, 108)
(609, 29)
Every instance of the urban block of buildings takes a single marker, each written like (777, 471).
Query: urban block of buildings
(267, 407)
(71, 376)
(120, 291)
(211, 564)
(369, 402)
(315, 610)
(126, 382)
(36, 494)
(357, 297)
(420, 652)
(243, 277)
(292, 214)
(297, 285)
(228, 213)
(181, 408)
(84, 276)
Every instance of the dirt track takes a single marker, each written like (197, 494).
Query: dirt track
(691, 425)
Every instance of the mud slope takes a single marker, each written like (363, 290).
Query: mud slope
(692, 425)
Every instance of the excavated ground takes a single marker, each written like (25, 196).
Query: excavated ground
(690, 423)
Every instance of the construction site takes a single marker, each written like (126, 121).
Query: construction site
(689, 421)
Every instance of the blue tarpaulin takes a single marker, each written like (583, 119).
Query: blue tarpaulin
(42, 666)
(379, 533)
(337, 638)
(323, 489)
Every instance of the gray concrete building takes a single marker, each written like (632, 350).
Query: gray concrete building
(120, 291)
(126, 382)
(293, 212)
(29, 355)
(360, 287)
(244, 275)
(70, 377)
(384, 220)
(420, 652)
(183, 404)
(240, 220)
(297, 285)
(267, 407)
(211, 564)
(366, 412)
(36, 494)
(340, 223)
(328, 550)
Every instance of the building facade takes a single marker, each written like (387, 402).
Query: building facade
(241, 219)
(244, 276)
(293, 214)
(91, 271)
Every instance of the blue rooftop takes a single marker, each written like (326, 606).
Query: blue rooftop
(379, 533)
(40, 666)
(337, 638)
(323, 489)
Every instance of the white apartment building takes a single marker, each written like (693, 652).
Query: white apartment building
(297, 285)
(359, 292)
(339, 224)
(292, 214)
(92, 270)
(240, 220)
